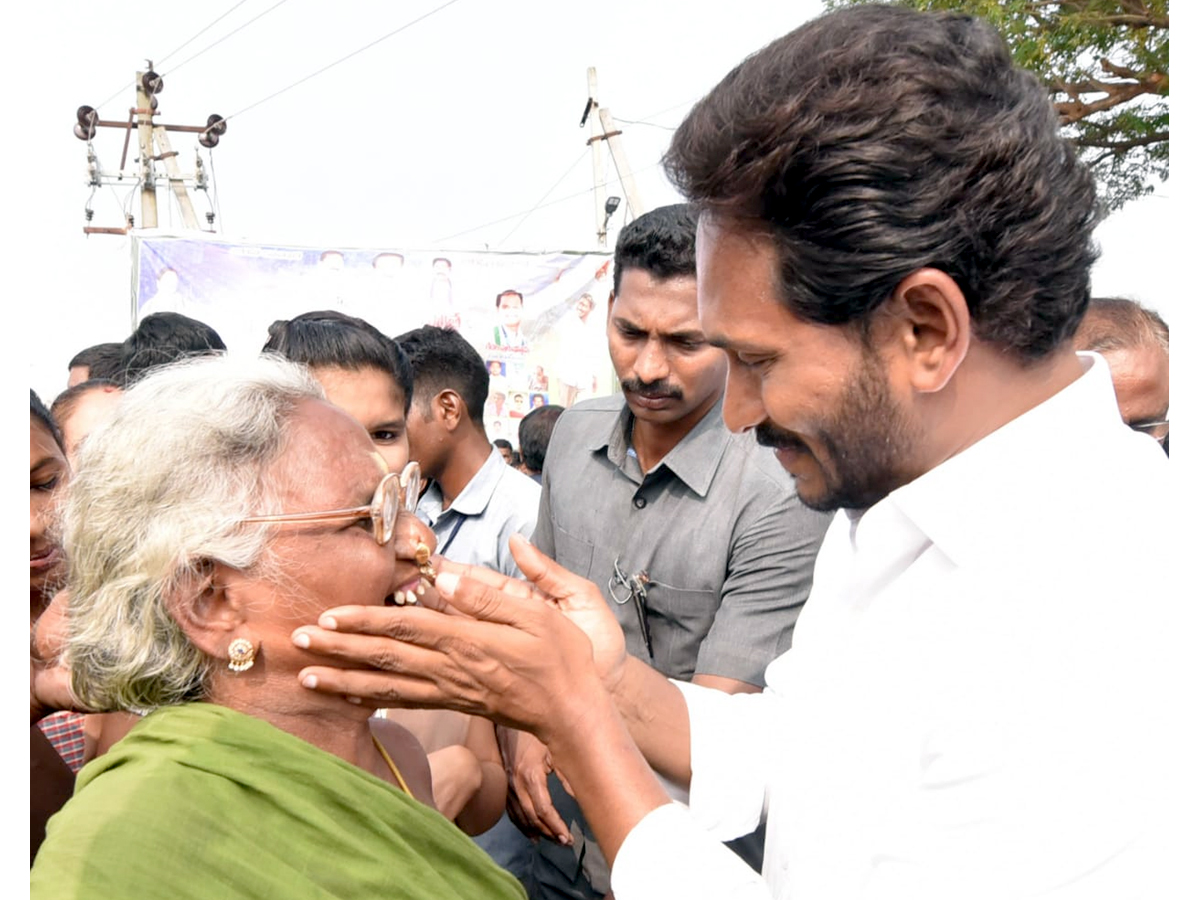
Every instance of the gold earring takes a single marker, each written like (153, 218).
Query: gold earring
(241, 655)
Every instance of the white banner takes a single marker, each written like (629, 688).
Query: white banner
(537, 319)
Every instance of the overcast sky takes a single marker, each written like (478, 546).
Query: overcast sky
(448, 133)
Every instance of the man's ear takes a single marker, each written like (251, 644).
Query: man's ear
(930, 327)
(449, 409)
(207, 605)
(612, 298)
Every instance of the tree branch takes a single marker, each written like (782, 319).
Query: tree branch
(1123, 146)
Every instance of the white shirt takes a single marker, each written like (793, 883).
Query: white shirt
(983, 695)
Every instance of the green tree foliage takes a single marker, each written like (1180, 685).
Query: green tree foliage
(1105, 66)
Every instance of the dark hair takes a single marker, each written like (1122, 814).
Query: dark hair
(442, 359)
(439, 259)
(163, 338)
(510, 293)
(1114, 323)
(533, 434)
(39, 413)
(64, 404)
(330, 338)
(876, 140)
(101, 360)
(503, 444)
(661, 242)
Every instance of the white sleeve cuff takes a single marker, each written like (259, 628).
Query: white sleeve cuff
(669, 854)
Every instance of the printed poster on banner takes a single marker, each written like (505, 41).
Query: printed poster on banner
(537, 319)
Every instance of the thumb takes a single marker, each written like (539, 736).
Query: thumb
(544, 573)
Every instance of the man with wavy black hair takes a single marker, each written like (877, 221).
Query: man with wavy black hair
(984, 693)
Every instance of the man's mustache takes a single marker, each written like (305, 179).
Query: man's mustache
(659, 388)
(773, 436)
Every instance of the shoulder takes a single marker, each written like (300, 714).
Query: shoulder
(595, 415)
(756, 465)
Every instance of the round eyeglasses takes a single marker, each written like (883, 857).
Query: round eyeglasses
(395, 492)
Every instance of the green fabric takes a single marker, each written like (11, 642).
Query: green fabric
(202, 802)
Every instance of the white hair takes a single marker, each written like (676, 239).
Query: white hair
(159, 496)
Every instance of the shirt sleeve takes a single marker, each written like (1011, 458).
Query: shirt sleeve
(668, 854)
(732, 736)
(768, 579)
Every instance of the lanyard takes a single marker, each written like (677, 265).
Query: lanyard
(445, 545)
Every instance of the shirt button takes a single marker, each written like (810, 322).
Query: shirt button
(639, 502)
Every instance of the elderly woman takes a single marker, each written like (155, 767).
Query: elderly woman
(222, 505)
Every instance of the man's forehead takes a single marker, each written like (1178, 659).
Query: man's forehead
(735, 276)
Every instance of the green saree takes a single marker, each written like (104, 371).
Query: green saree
(202, 802)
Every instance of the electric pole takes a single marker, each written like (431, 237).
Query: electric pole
(151, 137)
(604, 130)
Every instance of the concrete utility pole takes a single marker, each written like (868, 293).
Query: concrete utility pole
(150, 135)
(604, 130)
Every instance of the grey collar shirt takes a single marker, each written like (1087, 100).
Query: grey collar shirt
(712, 542)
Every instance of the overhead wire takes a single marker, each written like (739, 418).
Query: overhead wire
(163, 59)
(130, 84)
(639, 122)
(221, 40)
(530, 211)
(338, 62)
(554, 202)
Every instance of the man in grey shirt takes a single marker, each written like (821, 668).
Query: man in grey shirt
(694, 534)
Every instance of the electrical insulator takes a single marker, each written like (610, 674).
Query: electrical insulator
(152, 82)
(201, 174)
(211, 136)
(85, 123)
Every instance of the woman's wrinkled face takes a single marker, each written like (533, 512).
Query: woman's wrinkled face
(48, 472)
(329, 463)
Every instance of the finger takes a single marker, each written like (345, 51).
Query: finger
(513, 586)
(540, 809)
(513, 606)
(394, 639)
(383, 689)
(544, 573)
(517, 814)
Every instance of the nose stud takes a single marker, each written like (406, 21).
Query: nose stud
(424, 566)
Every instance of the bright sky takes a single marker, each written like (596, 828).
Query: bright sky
(449, 133)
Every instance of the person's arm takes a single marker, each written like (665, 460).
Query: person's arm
(469, 786)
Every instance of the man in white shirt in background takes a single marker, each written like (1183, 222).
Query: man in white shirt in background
(986, 695)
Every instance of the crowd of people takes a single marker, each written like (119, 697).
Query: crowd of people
(829, 601)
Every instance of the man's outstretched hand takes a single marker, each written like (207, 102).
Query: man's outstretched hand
(482, 643)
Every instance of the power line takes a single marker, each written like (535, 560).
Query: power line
(226, 37)
(130, 84)
(200, 32)
(639, 122)
(541, 206)
(570, 169)
(343, 59)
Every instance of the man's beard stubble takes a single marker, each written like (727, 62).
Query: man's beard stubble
(866, 443)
